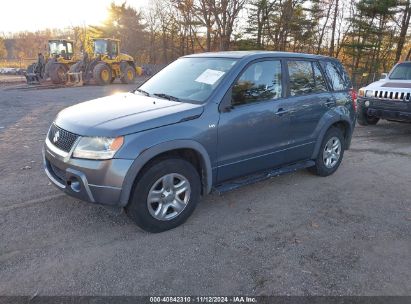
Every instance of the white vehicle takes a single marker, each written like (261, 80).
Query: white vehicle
(388, 98)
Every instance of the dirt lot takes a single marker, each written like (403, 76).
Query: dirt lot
(292, 235)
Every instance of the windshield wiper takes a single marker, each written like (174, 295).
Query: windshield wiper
(166, 96)
(142, 91)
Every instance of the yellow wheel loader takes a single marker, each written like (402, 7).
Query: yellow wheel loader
(104, 65)
(59, 58)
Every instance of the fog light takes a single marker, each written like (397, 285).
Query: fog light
(367, 103)
(74, 184)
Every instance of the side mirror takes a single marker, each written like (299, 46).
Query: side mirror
(383, 76)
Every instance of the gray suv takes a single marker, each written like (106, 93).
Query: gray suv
(212, 121)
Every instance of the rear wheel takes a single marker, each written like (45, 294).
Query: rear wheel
(165, 195)
(58, 73)
(128, 74)
(102, 74)
(330, 154)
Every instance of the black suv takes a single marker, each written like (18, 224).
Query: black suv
(206, 121)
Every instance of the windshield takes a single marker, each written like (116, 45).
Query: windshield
(100, 46)
(56, 47)
(402, 72)
(189, 79)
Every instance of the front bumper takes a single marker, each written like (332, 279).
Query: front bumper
(386, 109)
(95, 181)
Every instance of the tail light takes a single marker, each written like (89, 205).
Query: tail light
(353, 94)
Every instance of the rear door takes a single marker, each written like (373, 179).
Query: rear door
(340, 84)
(253, 132)
(309, 98)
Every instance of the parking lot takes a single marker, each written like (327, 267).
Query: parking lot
(297, 234)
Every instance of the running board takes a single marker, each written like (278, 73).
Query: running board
(252, 179)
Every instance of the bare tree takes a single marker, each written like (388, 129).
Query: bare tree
(206, 16)
(226, 14)
(405, 22)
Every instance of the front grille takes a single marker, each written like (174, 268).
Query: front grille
(60, 174)
(392, 95)
(389, 104)
(61, 138)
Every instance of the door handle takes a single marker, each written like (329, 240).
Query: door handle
(281, 112)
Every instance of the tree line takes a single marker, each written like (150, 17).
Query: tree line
(368, 36)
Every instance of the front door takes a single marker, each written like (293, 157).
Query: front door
(253, 132)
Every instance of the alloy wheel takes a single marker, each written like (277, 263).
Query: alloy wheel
(332, 152)
(168, 197)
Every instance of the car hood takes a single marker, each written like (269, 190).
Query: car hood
(125, 113)
(390, 85)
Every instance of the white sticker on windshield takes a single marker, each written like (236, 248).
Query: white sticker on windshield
(210, 76)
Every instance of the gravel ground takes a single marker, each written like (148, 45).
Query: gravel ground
(298, 234)
(6, 80)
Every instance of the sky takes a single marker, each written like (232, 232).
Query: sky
(32, 15)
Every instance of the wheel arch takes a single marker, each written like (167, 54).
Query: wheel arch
(124, 63)
(337, 121)
(186, 149)
(132, 63)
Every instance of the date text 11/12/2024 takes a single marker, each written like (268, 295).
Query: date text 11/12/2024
(203, 299)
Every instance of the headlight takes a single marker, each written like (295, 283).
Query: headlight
(361, 92)
(369, 93)
(98, 147)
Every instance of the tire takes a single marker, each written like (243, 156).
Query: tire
(331, 137)
(143, 212)
(102, 74)
(58, 73)
(365, 120)
(128, 74)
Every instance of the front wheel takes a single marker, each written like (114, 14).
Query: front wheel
(58, 73)
(102, 74)
(364, 119)
(165, 195)
(331, 153)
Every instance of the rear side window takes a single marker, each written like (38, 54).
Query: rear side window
(305, 78)
(320, 85)
(260, 81)
(337, 80)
